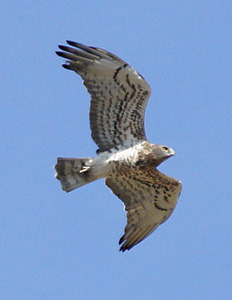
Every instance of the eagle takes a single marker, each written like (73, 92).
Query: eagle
(128, 161)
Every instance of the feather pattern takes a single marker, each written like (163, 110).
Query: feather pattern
(149, 197)
(119, 95)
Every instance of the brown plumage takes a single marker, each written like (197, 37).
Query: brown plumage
(125, 158)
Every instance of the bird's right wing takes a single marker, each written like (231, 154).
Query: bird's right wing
(119, 95)
(149, 197)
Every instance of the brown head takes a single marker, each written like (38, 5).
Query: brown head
(161, 153)
(154, 155)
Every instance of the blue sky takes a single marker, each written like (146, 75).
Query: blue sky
(55, 245)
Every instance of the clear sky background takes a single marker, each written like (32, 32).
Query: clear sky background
(55, 245)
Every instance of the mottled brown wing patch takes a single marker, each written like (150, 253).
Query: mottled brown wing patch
(149, 197)
(119, 95)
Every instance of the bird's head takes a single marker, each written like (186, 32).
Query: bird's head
(153, 155)
(161, 153)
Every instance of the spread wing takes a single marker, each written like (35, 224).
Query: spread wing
(149, 197)
(119, 95)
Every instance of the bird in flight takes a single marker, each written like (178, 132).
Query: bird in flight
(119, 96)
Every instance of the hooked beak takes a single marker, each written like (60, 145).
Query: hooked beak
(171, 152)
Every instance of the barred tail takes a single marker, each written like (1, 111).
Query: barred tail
(73, 172)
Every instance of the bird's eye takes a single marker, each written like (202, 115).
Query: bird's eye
(165, 149)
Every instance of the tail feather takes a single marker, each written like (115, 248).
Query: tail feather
(73, 172)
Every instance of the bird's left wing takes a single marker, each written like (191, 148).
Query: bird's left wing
(149, 197)
(119, 95)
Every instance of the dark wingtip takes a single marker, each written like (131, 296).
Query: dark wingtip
(121, 240)
(66, 66)
(59, 53)
(62, 47)
(72, 43)
(122, 250)
(78, 45)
